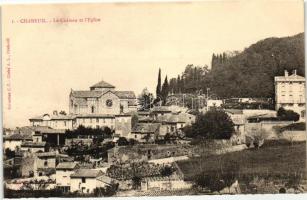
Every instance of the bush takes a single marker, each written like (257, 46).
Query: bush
(287, 115)
(122, 141)
(215, 124)
(9, 153)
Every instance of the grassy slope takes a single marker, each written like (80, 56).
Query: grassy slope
(272, 158)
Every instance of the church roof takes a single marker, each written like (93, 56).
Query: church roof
(125, 94)
(102, 84)
(86, 93)
(96, 94)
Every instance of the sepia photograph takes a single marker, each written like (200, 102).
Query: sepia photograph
(134, 99)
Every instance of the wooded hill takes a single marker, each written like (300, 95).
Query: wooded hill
(247, 74)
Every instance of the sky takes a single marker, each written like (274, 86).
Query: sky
(126, 47)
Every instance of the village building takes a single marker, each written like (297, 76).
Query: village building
(160, 110)
(174, 123)
(171, 123)
(101, 106)
(54, 120)
(14, 141)
(290, 93)
(87, 180)
(29, 147)
(63, 172)
(45, 163)
(145, 132)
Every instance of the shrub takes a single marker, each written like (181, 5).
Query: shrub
(287, 115)
(215, 124)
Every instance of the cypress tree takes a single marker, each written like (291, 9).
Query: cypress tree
(158, 90)
(165, 90)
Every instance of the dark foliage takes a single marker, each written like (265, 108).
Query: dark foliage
(158, 89)
(221, 177)
(215, 124)
(85, 132)
(107, 191)
(247, 74)
(9, 153)
(167, 171)
(301, 126)
(136, 182)
(122, 141)
(78, 151)
(287, 115)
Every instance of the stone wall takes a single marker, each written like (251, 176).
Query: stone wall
(147, 152)
(295, 136)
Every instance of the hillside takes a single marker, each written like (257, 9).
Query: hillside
(251, 72)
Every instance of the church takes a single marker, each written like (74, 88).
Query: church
(102, 99)
(100, 106)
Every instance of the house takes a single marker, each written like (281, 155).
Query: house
(63, 172)
(14, 141)
(290, 93)
(174, 123)
(54, 120)
(145, 132)
(46, 162)
(160, 110)
(87, 180)
(29, 147)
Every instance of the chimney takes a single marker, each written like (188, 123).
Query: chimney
(286, 73)
(55, 112)
(294, 72)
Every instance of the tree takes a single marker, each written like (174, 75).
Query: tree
(122, 141)
(215, 124)
(165, 90)
(211, 181)
(158, 89)
(238, 74)
(167, 138)
(167, 171)
(287, 115)
(136, 182)
(145, 99)
(9, 153)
